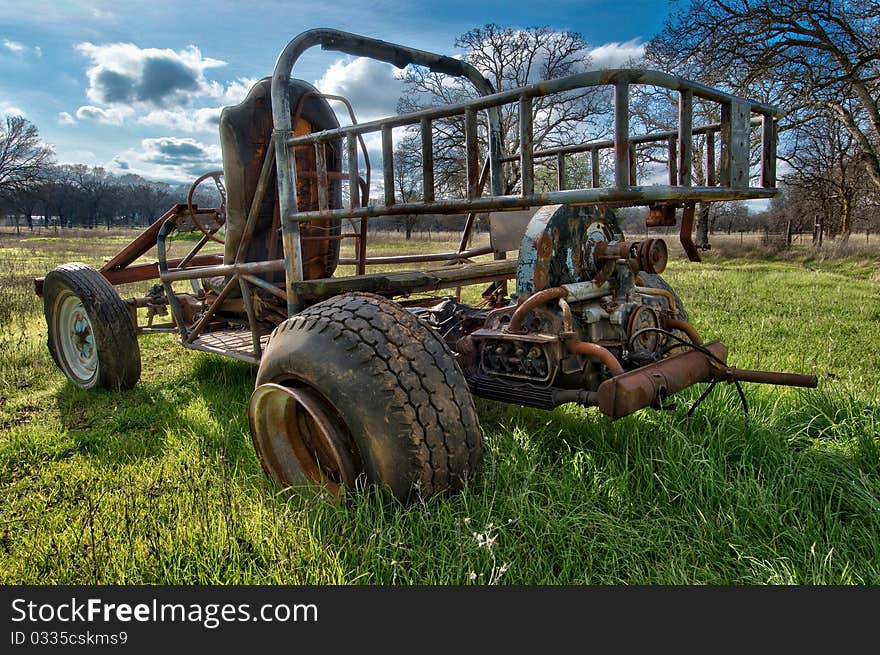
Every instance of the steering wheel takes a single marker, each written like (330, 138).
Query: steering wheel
(219, 214)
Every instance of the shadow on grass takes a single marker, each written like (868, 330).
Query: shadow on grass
(823, 437)
(205, 405)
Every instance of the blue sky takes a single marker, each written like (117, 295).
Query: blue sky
(137, 86)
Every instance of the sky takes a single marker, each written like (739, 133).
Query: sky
(137, 87)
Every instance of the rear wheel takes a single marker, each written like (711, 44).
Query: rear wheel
(91, 335)
(357, 386)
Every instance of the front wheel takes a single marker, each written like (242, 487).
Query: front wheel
(357, 386)
(91, 335)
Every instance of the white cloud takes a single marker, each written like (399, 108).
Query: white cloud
(8, 109)
(233, 92)
(156, 87)
(109, 116)
(14, 46)
(122, 73)
(206, 119)
(372, 87)
(616, 55)
(169, 158)
(79, 156)
(20, 49)
(64, 118)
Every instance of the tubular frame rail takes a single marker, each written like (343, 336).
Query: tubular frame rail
(734, 130)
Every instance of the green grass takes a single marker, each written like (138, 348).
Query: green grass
(161, 484)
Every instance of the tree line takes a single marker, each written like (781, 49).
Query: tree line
(37, 192)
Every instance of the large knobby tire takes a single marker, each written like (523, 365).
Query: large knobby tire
(654, 281)
(91, 335)
(386, 383)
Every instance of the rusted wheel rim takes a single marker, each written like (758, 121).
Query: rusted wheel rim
(300, 439)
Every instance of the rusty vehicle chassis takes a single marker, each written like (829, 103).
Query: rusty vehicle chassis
(537, 350)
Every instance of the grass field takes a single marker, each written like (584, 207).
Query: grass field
(161, 484)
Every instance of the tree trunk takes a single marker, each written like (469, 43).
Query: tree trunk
(845, 219)
(409, 228)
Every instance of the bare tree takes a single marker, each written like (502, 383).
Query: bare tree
(509, 58)
(408, 178)
(814, 57)
(142, 201)
(98, 188)
(825, 169)
(23, 157)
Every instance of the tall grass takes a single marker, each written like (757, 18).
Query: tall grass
(161, 485)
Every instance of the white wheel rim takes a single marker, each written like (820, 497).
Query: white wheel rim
(76, 338)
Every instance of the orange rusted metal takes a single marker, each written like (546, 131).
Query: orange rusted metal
(599, 352)
(686, 233)
(629, 392)
(530, 303)
(661, 216)
(687, 328)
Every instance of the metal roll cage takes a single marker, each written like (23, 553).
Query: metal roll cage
(732, 181)
(736, 122)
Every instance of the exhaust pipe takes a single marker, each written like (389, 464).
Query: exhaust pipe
(627, 393)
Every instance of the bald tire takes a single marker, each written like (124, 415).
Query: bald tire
(393, 382)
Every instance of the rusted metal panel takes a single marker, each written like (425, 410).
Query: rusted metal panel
(557, 247)
(624, 394)
(506, 230)
(686, 235)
